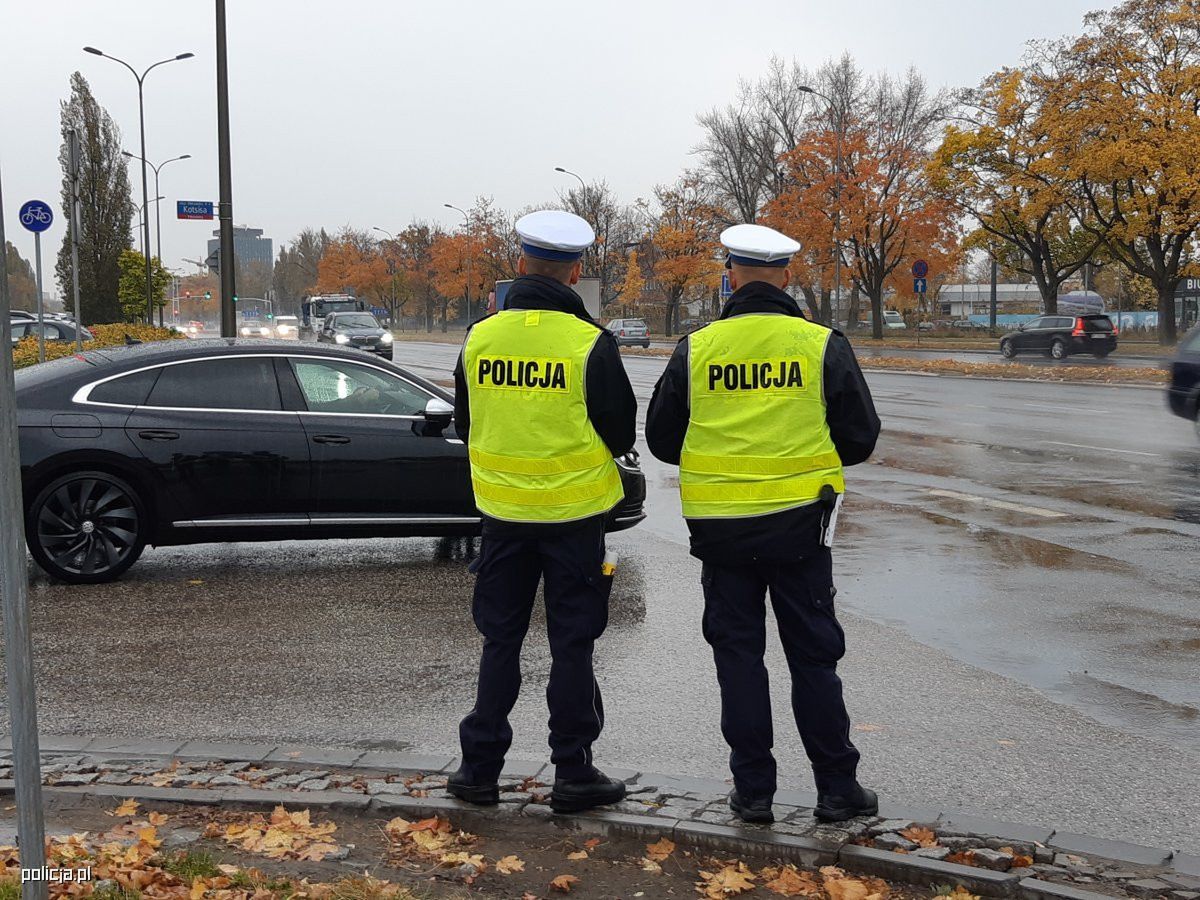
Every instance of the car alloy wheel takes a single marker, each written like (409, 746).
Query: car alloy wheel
(86, 528)
(1007, 350)
(1058, 350)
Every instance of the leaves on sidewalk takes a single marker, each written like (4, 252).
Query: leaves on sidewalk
(919, 834)
(840, 886)
(790, 882)
(563, 883)
(510, 864)
(577, 855)
(286, 835)
(129, 808)
(660, 850)
(732, 879)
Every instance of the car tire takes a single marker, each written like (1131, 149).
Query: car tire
(86, 527)
(1007, 350)
(1058, 349)
(1100, 354)
(646, 346)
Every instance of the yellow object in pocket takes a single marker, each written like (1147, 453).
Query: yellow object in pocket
(608, 568)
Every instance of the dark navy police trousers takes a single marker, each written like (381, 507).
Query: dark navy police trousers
(735, 626)
(576, 598)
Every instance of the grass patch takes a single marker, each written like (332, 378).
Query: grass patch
(191, 864)
(116, 892)
(10, 889)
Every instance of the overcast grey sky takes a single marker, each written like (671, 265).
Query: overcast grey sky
(367, 112)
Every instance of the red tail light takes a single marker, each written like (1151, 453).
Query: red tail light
(1116, 330)
(1078, 332)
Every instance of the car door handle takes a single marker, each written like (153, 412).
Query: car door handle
(153, 435)
(331, 439)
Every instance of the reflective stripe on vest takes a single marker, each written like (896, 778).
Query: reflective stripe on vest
(535, 456)
(757, 439)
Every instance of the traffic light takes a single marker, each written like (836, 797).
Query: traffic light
(270, 316)
(187, 295)
(235, 298)
(208, 295)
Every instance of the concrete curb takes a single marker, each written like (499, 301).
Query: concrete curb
(680, 807)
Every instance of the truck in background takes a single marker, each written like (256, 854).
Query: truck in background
(314, 309)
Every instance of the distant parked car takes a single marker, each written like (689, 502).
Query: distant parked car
(893, 320)
(630, 332)
(1183, 394)
(1061, 336)
(54, 330)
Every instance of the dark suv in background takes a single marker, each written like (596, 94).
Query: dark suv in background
(1183, 395)
(1061, 336)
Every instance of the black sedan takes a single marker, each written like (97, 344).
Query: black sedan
(1183, 395)
(1061, 336)
(185, 442)
(360, 330)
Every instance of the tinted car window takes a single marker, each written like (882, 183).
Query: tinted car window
(1064, 322)
(1035, 323)
(330, 386)
(1191, 343)
(231, 383)
(131, 390)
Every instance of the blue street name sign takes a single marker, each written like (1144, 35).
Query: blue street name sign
(726, 290)
(36, 216)
(918, 285)
(194, 209)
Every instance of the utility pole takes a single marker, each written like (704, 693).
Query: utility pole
(228, 261)
(14, 594)
(992, 297)
(73, 154)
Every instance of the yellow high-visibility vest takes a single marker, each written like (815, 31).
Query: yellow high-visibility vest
(535, 455)
(757, 441)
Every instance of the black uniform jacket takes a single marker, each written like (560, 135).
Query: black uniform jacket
(793, 533)
(611, 406)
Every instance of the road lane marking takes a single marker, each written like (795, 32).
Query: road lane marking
(1103, 449)
(998, 504)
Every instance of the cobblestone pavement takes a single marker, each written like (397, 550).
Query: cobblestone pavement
(912, 844)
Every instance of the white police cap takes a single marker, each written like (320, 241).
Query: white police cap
(757, 245)
(554, 234)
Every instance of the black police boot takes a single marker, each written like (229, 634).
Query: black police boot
(479, 794)
(577, 795)
(846, 804)
(751, 810)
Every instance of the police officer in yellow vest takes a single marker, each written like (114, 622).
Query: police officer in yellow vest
(761, 410)
(543, 403)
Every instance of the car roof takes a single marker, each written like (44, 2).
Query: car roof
(151, 352)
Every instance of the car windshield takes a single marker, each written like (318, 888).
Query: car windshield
(359, 321)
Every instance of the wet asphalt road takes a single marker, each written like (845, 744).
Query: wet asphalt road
(1016, 574)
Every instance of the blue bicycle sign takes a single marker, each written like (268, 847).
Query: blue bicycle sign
(36, 215)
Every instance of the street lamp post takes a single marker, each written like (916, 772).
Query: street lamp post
(392, 272)
(145, 188)
(145, 219)
(470, 248)
(157, 207)
(569, 172)
(837, 195)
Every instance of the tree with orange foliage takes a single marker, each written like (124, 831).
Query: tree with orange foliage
(885, 205)
(356, 267)
(685, 243)
(450, 258)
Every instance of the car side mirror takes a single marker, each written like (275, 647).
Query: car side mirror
(438, 415)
